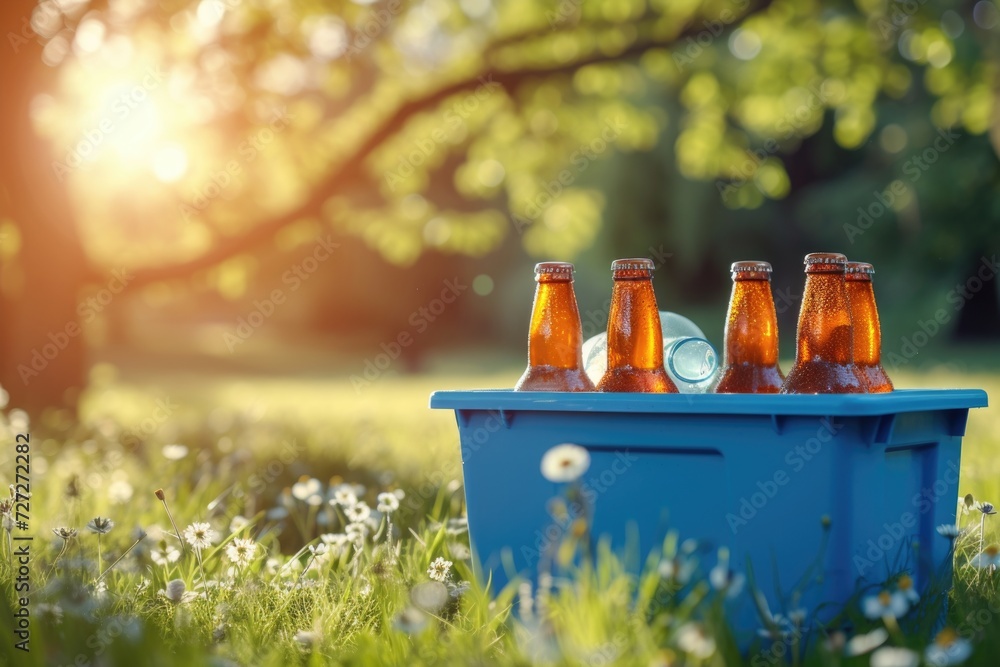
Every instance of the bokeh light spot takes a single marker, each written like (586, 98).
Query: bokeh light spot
(491, 173)
(170, 163)
(744, 44)
(482, 285)
(893, 138)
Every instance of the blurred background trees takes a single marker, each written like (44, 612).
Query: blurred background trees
(205, 150)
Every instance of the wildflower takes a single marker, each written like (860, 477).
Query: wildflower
(429, 596)
(988, 558)
(7, 521)
(884, 604)
(306, 487)
(678, 568)
(100, 525)
(174, 452)
(238, 523)
(457, 526)
(387, 503)
(357, 531)
(241, 551)
(411, 620)
(905, 587)
(797, 617)
(337, 543)
(986, 508)
(693, 640)
(344, 496)
(168, 555)
(724, 579)
(119, 491)
(459, 551)
(65, 533)
(967, 503)
(318, 549)
(176, 592)
(199, 535)
(948, 649)
(949, 530)
(889, 656)
(861, 644)
(358, 512)
(565, 463)
(439, 569)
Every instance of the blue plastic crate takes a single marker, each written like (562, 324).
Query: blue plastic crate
(754, 473)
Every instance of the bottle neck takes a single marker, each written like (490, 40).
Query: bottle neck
(864, 317)
(634, 336)
(752, 324)
(555, 337)
(825, 332)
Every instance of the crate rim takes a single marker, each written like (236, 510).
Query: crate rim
(860, 405)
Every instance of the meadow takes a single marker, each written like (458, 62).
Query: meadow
(320, 525)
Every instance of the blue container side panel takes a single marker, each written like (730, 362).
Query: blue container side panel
(825, 498)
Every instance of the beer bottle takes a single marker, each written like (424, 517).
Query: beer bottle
(555, 358)
(750, 360)
(867, 333)
(824, 357)
(635, 340)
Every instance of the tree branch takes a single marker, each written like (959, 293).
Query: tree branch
(345, 171)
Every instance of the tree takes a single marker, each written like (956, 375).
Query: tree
(441, 124)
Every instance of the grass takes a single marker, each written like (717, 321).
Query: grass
(373, 601)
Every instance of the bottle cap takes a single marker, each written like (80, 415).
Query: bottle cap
(860, 270)
(825, 262)
(751, 270)
(635, 267)
(554, 271)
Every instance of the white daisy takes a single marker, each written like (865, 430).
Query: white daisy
(168, 555)
(861, 644)
(565, 463)
(100, 525)
(693, 640)
(890, 656)
(884, 604)
(989, 558)
(949, 530)
(948, 649)
(439, 569)
(387, 503)
(199, 535)
(174, 452)
(344, 496)
(306, 487)
(241, 551)
(905, 587)
(358, 512)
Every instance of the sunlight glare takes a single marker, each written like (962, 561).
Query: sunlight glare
(170, 163)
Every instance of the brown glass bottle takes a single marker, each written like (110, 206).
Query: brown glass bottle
(555, 339)
(750, 361)
(867, 332)
(635, 341)
(824, 357)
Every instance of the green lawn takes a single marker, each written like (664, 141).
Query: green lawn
(371, 600)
